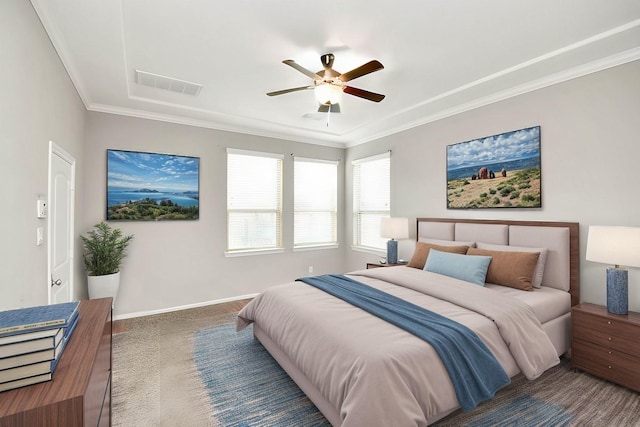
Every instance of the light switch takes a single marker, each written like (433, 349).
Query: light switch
(42, 208)
(39, 236)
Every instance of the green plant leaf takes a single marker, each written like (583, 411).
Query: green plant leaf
(104, 249)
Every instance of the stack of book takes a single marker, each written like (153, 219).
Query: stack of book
(32, 340)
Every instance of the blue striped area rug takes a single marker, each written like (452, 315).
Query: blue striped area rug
(246, 385)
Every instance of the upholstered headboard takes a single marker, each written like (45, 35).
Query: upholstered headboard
(561, 239)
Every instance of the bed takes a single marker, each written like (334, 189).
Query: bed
(361, 370)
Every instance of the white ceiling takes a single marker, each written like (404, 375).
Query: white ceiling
(441, 57)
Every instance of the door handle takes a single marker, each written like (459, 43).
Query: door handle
(55, 282)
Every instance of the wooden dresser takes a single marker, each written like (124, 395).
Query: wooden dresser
(607, 345)
(80, 392)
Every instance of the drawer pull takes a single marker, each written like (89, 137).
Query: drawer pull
(608, 322)
(609, 366)
(609, 352)
(609, 338)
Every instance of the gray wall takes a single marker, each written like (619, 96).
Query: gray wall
(590, 136)
(38, 104)
(590, 149)
(181, 263)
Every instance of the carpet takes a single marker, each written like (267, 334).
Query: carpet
(560, 397)
(246, 385)
(192, 369)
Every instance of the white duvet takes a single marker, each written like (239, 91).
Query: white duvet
(376, 374)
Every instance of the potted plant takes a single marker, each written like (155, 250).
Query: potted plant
(104, 250)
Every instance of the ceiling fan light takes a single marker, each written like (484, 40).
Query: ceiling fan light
(328, 94)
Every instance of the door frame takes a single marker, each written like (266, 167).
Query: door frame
(56, 150)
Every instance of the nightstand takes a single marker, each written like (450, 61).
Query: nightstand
(606, 345)
(377, 264)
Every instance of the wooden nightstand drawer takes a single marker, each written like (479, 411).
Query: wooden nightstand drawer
(606, 325)
(613, 365)
(611, 339)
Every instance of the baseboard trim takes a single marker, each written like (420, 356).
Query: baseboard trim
(181, 307)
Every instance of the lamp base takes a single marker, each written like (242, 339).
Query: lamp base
(392, 251)
(617, 291)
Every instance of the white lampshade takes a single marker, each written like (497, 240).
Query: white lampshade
(394, 228)
(328, 94)
(614, 245)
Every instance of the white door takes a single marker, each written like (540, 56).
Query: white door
(62, 169)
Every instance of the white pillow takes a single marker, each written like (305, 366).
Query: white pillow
(447, 242)
(538, 273)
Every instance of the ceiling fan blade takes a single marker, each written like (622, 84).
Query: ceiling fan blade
(295, 89)
(371, 96)
(362, 70)
(294, 64)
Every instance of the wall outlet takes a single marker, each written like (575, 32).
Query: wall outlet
(311, 269)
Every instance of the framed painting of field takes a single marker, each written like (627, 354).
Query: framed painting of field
(499, 171)
(152, 187)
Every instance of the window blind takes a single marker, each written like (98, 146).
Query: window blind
(371, 199)
(315, 202)
(254, 201)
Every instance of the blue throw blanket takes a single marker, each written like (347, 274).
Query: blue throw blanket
(475, 373)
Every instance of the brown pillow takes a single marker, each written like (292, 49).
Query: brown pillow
(513, 269)
(420, 254)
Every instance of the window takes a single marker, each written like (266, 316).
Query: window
(254, 201)
(315, 203)
(371, 200)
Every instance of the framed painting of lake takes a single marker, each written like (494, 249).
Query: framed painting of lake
(152, 187)
(499, 171)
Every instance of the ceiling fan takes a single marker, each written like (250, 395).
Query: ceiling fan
(329, 84)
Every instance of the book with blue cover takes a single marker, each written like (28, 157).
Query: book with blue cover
(34, 351)
(23, 382)
(47, 344)
(69, 330)
(29, 358)
(32, 319)
(45, 333)
(25, 371)
(36, 367)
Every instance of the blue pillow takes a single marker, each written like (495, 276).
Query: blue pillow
(471, 268)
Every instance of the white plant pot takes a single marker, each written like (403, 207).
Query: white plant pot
(104, 286)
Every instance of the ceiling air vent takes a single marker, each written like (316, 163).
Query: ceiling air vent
(167, 83)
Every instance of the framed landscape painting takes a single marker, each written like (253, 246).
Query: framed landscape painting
(499, 171)
(152, 187)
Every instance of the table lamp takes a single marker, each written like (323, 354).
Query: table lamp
(394, 228)
(617, 246)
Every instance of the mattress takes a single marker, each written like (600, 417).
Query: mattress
(546, 303)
